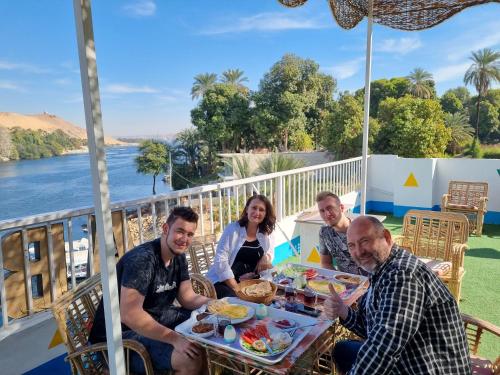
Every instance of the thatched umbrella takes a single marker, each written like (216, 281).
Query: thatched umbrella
(409, 15)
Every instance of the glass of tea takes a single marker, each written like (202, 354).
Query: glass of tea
(222, 323)
(310, 297)
(290, 298)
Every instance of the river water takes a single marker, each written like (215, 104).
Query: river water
(30, 187)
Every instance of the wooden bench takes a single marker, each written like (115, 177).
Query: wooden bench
(469, 198)
(440, 236)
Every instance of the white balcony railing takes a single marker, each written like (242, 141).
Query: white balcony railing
(218, 204)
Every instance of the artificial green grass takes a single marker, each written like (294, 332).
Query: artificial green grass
(481, 283)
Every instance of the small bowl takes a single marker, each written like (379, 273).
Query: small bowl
(203, 334)
(277, 323)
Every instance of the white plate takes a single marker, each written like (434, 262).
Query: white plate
(250, 313)
(262, 354)
(205, 334)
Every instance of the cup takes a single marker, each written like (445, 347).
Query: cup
(222, 323)
(310, 297)
(290, 298)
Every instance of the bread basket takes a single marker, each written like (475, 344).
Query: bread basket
(266, 299)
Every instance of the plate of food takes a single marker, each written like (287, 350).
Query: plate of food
(284, 323)
(237, 313)
(321, 286)
(348, 279)
(203, 329)
(259, 341)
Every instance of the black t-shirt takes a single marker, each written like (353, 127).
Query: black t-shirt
(143, 269)
(247, 258)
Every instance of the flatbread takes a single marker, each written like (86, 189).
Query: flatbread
(321, 286)
(258, 289)
(232, 311)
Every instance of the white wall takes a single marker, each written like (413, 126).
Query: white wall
(387, 175)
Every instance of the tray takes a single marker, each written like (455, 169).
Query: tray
(185, 330)
(330, 275)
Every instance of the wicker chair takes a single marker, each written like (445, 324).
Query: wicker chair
(74, 313)
(474, 329)
(203, 286)
(469, 198)
(439, 236)
(202, 252)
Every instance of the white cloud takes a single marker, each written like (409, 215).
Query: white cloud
(401, 46)
(267, 22)
(140, 8)
(463, 45)
(346, 69)
(5, 85)
(450, 72)
(27, 68)
(123, 88)
(62, 81)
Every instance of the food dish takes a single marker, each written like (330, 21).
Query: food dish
(276, 342)
(235, 312)
(203, 329)
(284, 323)
(348, 279)
(258, 289)
(321, 286)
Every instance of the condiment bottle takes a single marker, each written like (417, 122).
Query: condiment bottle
(261, 311)
(229, 334)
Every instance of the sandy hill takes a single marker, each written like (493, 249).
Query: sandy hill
(48, 123)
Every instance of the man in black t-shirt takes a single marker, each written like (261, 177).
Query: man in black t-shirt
(150, 277)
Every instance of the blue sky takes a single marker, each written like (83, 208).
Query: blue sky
(149, 51)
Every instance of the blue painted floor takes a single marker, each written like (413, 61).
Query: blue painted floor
(55, 366)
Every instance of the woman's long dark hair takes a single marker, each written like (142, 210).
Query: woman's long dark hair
(267, 225)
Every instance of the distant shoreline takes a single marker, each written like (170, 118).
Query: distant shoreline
(83, 150)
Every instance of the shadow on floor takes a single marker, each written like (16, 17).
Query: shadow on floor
(483, 253)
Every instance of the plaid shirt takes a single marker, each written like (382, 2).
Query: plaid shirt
(334, 243)
(411, 322)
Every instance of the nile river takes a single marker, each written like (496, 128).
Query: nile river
(30, 187)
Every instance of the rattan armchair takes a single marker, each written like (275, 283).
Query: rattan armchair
(469, 198)
(203, 286)
(474, 329)
(202, 252)
(74, 313)
(440, 236)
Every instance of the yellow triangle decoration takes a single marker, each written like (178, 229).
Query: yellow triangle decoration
(56, 340)
(313, 256)
(411, 181)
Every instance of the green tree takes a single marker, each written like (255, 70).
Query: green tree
(202, 82)
(489, 121)
(421, 84)
(189, 145)
(287, 93)
(462, 94)
(278, 163)
(301, 141)
(461, 131)
(6, 146)
(222, 118)
(153, 159)
(451, 103)
(344, 130)
(235, 77)
(381, 89)
(412, 127)
(485, 70)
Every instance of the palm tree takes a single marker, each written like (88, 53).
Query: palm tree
(189, 146)
(278, 163)
(420, 83)
(234, 76)
(484, 70)
(202, 82)
(461, 131)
